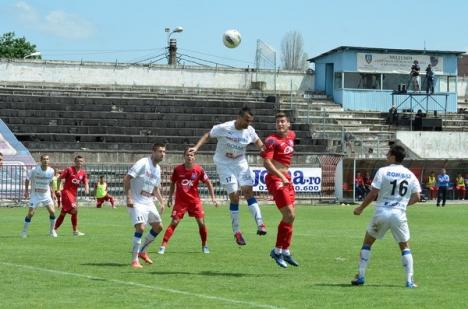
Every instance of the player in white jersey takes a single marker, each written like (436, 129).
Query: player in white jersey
(232, 167)
(395, 188)
(141, 185)
(40, 178)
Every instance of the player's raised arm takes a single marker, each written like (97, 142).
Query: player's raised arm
(200, 142)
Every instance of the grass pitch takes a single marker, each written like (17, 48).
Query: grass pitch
(94, 271)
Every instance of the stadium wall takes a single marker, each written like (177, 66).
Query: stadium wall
(102, 73)
(435, 145)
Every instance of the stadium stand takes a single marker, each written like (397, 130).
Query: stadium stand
(106, 119)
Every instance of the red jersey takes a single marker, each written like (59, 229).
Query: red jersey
(279, 148)
(186, 181)
(73, 179)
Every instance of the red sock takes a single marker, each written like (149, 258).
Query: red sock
(167, 235)
(59, 220)
(203, 234)
(280, 235)
(74, 221)
(287, 236)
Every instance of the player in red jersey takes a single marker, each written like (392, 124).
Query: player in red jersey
(184, 182)
(73, 176)
(279, 148)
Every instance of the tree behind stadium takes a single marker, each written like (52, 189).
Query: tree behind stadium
(293, 56)
(12, 47)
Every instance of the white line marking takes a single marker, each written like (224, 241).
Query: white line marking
(153, 287)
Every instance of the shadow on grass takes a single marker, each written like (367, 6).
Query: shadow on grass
(106, 264)
(348, 285)
(208, 273)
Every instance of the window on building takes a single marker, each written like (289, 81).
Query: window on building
(391, 81)
(338, 80)
(362, 80)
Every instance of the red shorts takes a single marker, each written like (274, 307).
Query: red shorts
(283, 195)
(194, 210)
(68, 201)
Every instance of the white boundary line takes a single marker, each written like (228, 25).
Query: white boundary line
(136, 284)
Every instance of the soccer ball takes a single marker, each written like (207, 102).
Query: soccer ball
(231, 38)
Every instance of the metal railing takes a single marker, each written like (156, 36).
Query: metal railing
(12, 179)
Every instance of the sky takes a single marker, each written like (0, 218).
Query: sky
(133, 31)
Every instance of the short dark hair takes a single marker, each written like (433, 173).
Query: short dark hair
(186, 150)
(281, 115)
(101, 176)
(399, 152)
(1, 154)
(44, 155)
(78, 157)
(245, 110)
(158, 145)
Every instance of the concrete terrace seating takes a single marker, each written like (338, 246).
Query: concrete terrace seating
(70, 119)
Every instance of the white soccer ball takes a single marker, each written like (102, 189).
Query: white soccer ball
(231, 38)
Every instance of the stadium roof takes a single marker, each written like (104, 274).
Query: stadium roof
(385, 50)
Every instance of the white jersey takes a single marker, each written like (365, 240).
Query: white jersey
(40, 182)
(146, 177)
(232, 143)
(396, 184)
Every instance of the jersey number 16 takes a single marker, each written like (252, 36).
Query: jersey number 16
(402, 188)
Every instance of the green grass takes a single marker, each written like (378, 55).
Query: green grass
(93, 271)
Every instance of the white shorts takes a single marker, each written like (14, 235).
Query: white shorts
(37, 201)
(393, 219)
(141, 213)
(234, 175)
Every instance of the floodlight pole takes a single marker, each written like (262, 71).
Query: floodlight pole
(172, 45)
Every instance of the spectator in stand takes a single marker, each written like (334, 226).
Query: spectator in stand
(443, 181)
(414, 75)
(359, 186)
(431, 186)
(429, 79)
(460, 186)
(367, 182)
(466, 185)
(392, 117)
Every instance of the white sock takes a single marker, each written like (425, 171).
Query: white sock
(148, 239)
(286, 252)
(364, 257)
(136, 246)
(235, 221)
(256, 213)
(407, 261)
(26, 226)
(52, 225)
(278, 250)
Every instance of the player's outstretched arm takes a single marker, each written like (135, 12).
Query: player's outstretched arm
(200, 142)
(271, 168)
(260, 145)
(415, 197)
(209, 185)
(26, 188)
(171, 194)
(157, 194)
(126, 183)
(371, 196)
